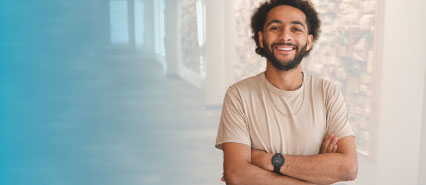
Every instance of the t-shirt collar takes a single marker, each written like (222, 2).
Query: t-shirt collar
(281, 92)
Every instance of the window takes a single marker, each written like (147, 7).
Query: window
(119, 22)
(139, 23)
(200, 31)
(159, 7)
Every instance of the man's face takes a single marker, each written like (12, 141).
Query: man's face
(285, 40)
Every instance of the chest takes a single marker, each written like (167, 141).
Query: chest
(274, 129)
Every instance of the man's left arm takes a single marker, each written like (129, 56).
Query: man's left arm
(323, 168)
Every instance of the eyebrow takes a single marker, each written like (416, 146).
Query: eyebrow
(298, 22)
(280, 22)
(274, 21)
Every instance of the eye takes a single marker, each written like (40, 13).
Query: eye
(297, 29)
(274, 28)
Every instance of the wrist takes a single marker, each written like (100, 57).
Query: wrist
(268, 164)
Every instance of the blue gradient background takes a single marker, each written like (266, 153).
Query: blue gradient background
(75, 110)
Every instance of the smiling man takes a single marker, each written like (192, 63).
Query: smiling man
(283, 126)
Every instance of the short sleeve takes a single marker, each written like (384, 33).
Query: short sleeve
(233, 123)
(337, 114)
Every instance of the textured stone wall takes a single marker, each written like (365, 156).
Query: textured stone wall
(247, 62)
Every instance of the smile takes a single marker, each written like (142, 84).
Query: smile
(285, 48)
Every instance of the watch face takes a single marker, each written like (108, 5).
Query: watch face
(277, 159)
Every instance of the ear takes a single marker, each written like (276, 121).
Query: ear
(309, 42)
(260, 33)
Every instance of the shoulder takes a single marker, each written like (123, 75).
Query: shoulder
(238, 95)
(324, 85)
(247, 85)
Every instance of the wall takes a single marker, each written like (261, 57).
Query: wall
(401, 92)
(422, 165)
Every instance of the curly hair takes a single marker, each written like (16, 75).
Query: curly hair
(259, 18)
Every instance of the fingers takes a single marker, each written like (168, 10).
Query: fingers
(325, 143)
(223, 177)
(334, 149)
(329, 144)
(332, 144)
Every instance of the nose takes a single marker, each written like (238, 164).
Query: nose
(285, 36)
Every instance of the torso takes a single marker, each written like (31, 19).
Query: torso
(275, 126)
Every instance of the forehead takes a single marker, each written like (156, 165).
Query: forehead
(285, 14)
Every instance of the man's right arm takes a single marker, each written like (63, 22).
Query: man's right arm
(239, 170)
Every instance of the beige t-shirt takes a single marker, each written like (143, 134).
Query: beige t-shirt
(258, 114)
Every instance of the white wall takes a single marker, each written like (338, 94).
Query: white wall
(401, 93)
(422, 166)
(399, 138)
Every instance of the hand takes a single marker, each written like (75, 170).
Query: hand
(223, 177)
(329, 144)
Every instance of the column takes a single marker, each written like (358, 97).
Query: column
(149, 35)
(171, 39)
(214, 85)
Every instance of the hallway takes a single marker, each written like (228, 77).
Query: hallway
(108, 118)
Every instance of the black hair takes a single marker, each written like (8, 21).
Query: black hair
(259, 18)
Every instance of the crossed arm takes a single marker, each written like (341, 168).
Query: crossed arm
(239, 169)
(337, 161)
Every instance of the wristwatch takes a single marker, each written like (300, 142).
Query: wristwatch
(278, 161)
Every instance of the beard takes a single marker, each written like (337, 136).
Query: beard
(284, 65)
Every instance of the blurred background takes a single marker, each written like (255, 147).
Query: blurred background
(130, 91)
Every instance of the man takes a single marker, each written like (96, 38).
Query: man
(283, 126)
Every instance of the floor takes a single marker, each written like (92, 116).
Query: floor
(109, 117)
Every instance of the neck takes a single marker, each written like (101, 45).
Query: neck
(286, 80)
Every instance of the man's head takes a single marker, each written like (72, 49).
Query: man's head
(284, 31)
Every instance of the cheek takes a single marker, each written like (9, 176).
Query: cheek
(303, 41)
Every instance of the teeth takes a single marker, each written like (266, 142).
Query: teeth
(285, 49)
